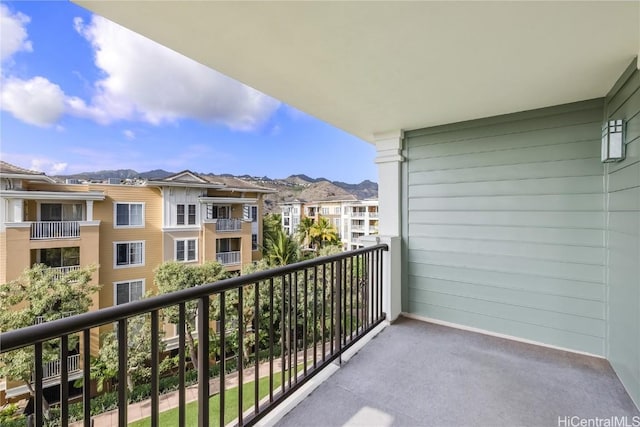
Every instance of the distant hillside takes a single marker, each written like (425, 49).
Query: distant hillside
(299, 186)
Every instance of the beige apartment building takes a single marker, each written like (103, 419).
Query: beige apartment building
(127, 228)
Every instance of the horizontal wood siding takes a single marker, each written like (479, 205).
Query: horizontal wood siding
(506, 225)
(623, 185)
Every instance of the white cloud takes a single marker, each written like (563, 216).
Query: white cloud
(36, 101)
(129, 134)
(148, 82)
(48, 166)
(13, 33)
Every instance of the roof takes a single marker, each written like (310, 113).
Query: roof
(193, 179)
(233, 183)
(8, 170)
(373, 67)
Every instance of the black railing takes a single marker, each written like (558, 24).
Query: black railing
(291, 322)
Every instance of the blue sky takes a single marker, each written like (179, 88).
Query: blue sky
(79, 93)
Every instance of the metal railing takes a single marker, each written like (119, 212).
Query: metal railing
(53, 369)
(42, 230)
(64, 314)
(58, 272)
(228, 225)
(300, 317)
(373, 214)
(228, 258)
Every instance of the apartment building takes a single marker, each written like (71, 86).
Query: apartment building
(352, 218)
(128, 228)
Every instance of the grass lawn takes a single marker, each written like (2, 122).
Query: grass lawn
(170, 417)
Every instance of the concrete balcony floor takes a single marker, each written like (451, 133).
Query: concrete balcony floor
(420, 374)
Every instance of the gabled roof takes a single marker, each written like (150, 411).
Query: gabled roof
(7, 170)
(236, 184)
(185, 176)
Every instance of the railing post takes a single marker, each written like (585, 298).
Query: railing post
(391, 265)
(203, 362)
(338, 293)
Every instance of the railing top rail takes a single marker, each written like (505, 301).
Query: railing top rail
(13, 340)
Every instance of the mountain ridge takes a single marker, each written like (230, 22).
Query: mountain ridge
(296, 186)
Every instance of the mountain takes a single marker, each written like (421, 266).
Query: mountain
(287, 189)
(118, 173)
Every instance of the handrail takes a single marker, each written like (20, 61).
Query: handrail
(16, 339)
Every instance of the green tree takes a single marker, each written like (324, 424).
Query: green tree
(304, 231)
(173, 276)
(281, 249)
(139, 340)
(323, 233)
(271, 226)
(41, 294)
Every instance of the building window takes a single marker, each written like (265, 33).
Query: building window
(129, 215)
(254, 242)
(217, 211)
(61, 212)
(128, 291)
(337, 210)
(254, 214)
(295, 211)
(186, 250)
(286, 222)
(128, 254)
(185, 212)
(325, 211)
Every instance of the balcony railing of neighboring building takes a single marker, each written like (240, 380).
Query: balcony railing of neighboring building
(228, 225)
(53, 369)
(357, 214)
(228, 258)
(306, 315)
(63, 315)
(373, 214)
(58, 272)
(43, 230)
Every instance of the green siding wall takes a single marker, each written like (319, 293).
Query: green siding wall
(505, 225)
(623, 190)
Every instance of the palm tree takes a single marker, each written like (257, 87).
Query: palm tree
(323, 233)
(281, 249)
(304, 231)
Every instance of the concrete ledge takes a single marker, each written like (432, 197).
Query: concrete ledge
(292, 401)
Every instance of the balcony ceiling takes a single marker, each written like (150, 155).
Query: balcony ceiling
(379, 66)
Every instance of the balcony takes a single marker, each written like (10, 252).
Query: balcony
(421, 374)
(229, 258)
(46, 230)
(300, 319)
(58, 272)
(373, 214)
(53, 369)
(357, 214)
(228, 225)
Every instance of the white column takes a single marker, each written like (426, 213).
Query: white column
(89, 210)
(16, 210)
(389, 160)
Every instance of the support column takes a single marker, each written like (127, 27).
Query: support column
(16, 210)
(89, 210)
(389, 160)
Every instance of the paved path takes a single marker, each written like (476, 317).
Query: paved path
(141, 410)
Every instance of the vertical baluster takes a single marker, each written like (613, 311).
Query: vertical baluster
(304, 322)
(38, 402)
(338, 287)
(123, 349)
(294, 314)
(272, 312)
(86, 383)
(282, 333)
(359, 270)
(155, 372)
(223, 353)
(352, 261)
(256, 335)
(324, 311)
(203, 361)
(182, 401)
(380, 254)
(332, 328)
(64, 380)
(240, 352)
(315, 315)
